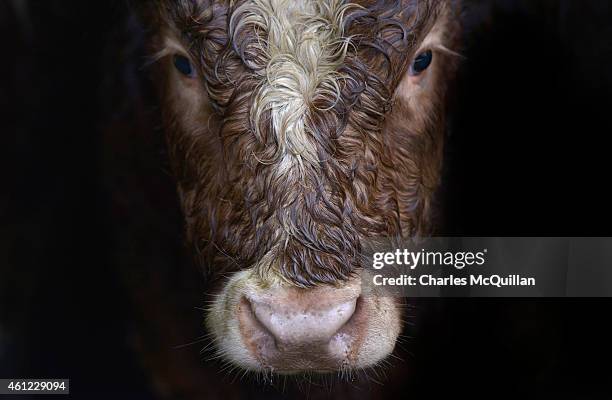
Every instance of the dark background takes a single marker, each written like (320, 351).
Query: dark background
(527, 155)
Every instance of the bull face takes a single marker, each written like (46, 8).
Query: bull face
(297, 130)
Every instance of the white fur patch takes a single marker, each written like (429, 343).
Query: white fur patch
(303, 45)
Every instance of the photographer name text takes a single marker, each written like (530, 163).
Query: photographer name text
(411, 260)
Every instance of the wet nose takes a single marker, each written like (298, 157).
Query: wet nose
(295, 329)
(293, 325)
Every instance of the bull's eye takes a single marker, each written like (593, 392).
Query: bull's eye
(421, 62)
(183, 65)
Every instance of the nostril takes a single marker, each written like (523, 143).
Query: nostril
(293, 324)
(256, 334)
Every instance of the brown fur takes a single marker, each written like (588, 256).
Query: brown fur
(378, 161)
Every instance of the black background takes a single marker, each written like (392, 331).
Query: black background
(528, 155)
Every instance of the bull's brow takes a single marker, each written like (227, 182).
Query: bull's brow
(302, 45)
